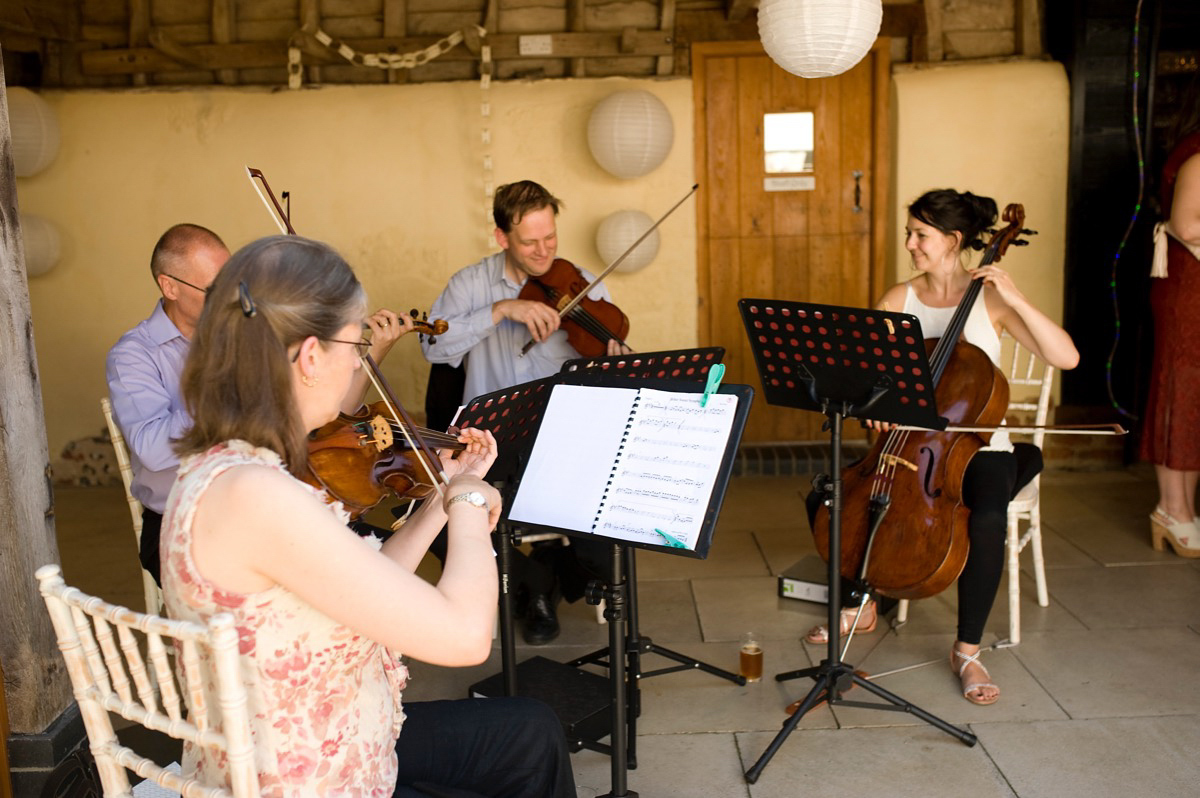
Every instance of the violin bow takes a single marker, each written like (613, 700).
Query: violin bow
(282, 218)
(608, 269)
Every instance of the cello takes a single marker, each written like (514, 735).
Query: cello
(904, 523)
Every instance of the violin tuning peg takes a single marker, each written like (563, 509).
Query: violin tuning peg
(1020, 242)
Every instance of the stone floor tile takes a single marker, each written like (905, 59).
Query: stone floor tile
(1113, 758)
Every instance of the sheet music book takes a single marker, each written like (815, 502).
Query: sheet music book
(634, 464)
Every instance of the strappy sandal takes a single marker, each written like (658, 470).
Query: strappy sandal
(974, 686)
(1182, 536)
(820, 634)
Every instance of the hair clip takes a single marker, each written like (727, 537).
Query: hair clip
(248, 308)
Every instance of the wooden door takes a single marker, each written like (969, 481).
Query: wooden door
(812, 245)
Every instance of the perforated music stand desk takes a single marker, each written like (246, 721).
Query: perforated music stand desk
(814, 356)
(844, 363)
(676, 364)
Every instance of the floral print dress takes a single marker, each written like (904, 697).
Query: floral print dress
(324, 701)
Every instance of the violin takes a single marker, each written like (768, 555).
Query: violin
(904, 523)
(360, 459)
(356, 462)
(423, 326)
(589, 323)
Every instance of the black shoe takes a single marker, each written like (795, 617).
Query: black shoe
(541, 621)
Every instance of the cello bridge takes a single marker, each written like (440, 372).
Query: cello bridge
(893, 460)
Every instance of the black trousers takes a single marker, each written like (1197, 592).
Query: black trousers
(148, 548)
(494, 747)
(991, 481)
(551, 567)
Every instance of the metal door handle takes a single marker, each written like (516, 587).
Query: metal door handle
(857, 175)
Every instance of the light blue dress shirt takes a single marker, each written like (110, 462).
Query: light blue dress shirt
(494, 350)
(143, 370)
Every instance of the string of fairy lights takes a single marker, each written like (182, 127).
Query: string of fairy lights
(1139, 149)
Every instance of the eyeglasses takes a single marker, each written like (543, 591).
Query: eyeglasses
(362, 347)
(185, 282)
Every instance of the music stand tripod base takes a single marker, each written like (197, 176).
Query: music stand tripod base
(841, 362)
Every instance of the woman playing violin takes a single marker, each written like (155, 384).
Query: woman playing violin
(943, 226)
(322, 613)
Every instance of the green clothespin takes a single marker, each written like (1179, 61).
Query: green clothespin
(672, 542)
(714, 382)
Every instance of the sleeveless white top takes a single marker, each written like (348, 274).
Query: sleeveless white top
(978, 331)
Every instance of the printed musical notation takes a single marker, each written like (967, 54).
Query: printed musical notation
(664, 492)
(626, 463)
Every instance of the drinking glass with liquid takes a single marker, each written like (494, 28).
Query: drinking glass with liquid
(751, 657)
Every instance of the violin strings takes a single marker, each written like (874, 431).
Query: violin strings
(428, 434)
(591, 324)
(586, 320)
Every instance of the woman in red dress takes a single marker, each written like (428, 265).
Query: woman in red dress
(1171, 437)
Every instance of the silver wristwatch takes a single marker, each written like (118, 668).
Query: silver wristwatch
(470, 497)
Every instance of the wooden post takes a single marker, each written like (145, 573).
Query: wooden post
(666, 63)
(310, 20)
(577, 22)
(5, 779)
(224, 25)
(139, 32)
(35, 677)
(395, 26)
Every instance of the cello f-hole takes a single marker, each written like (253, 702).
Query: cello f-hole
(929, 490)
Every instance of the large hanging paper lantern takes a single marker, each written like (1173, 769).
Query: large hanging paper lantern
(630, 133)
(42, 245)
(818, 38)
(34, 131)
(618, 232)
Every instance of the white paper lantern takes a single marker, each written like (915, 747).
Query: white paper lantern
(818, 38)
(42, 245)
(34, 129)
(630, 133)
(618, 232)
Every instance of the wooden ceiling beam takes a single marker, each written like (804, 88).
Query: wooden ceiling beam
(740, 9)
(46, 19)
(251, 55)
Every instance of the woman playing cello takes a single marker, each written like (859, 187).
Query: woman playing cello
(943, 226)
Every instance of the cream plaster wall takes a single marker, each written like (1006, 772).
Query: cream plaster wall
(390, 175)
(999, 130)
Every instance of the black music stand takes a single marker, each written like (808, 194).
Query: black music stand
(514, 416)
(681, 364)
(844, 363)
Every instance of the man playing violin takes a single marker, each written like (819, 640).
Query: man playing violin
(489, 325)
(144, 366)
